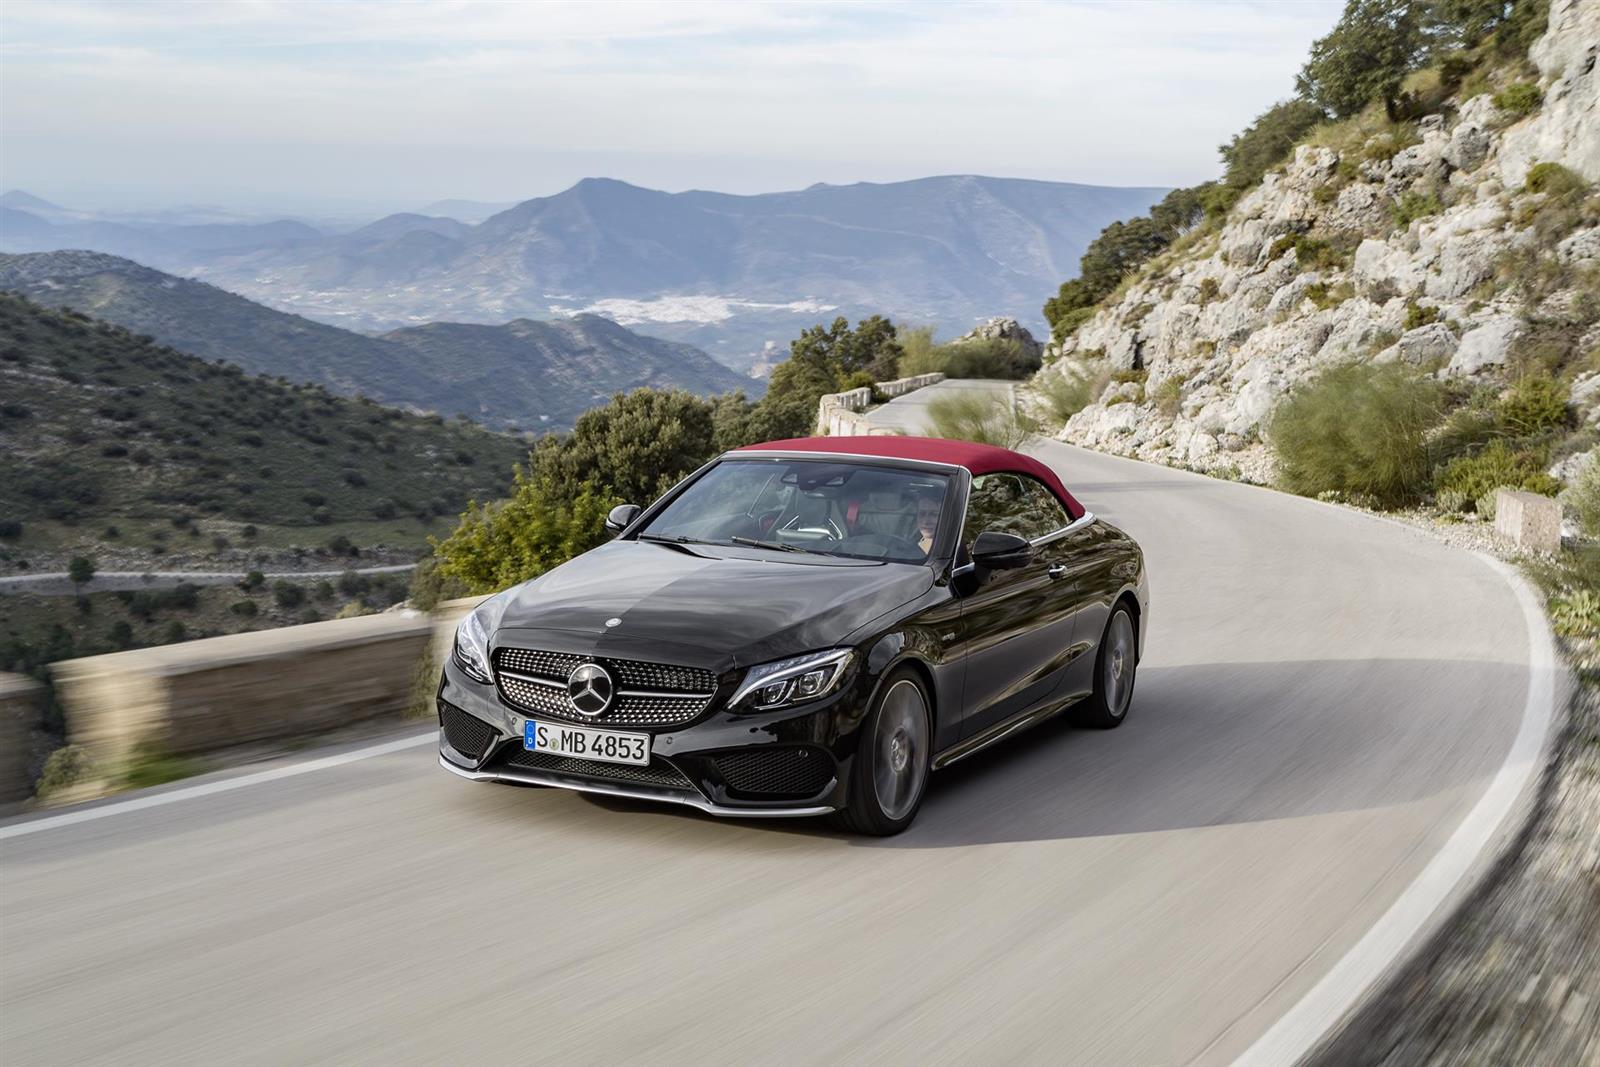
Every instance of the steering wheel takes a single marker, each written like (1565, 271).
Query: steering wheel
(899, 547)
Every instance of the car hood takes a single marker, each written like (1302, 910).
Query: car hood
(701, 605)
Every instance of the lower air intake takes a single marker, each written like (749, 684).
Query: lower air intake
(778, 770)
(467, 734)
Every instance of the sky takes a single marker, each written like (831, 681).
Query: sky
(329, 107)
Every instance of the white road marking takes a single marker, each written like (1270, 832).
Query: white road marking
(1303, 1025)
(156, 800)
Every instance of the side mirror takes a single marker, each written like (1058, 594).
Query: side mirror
(621, 516)
(1001, 551)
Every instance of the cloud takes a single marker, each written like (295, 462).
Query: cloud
(512, 100)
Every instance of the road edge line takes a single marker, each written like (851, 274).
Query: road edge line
(1387, 941)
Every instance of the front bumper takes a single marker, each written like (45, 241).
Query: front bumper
(792, 763)
(633, 792)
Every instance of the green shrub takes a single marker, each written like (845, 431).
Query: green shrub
(1312, 253)
(1414, 205)
(1358, 431)
(244, 608)
(1520, 98)
(1535, 405)
(1577, 613)
(1554, 179)
(502, 544)
(1582, 498)
(988, 418)
(429, 586)
(66, 766)
(1498, 465)
(1210, 289)
(151, 766)
(993, 358)
(286, 594)
(1067, 390)
(1418, 315)
(1168, 395)
(1453, 70)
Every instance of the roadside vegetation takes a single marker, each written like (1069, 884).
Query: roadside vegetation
(989, 418)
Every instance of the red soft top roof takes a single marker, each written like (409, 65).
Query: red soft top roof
(979, 459)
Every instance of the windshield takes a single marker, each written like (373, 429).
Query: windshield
(837, 509)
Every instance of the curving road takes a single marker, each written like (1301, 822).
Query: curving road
(1329, 708)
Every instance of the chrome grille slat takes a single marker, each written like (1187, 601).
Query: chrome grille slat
(648, 694)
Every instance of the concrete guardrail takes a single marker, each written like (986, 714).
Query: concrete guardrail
(840, 414)
(199, 696)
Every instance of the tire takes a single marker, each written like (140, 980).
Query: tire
(1116, 665)
(894, 757)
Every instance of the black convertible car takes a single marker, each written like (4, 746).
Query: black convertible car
(804, 627)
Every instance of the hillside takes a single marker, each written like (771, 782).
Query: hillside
(583, 361)
(101, 428)
(529, 375)
(727, 273)
(1461, 242)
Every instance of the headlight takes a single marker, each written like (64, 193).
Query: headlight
(791, 681)
(472, 646)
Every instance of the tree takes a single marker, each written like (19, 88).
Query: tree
(635, 447)
(871, 346)
(80, 571)
(1266, 141)
(1365, 57)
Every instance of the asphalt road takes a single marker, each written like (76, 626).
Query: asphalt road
(1326, 703)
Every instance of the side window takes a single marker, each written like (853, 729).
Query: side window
(1014, 504)
(1046, 507)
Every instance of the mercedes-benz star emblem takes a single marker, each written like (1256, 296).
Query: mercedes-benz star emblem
(589, 689)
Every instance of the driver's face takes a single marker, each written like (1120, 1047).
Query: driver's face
(927, 516)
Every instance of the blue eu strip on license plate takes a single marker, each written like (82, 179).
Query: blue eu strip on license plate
(530, 736)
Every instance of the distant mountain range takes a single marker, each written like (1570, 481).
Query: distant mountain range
(729, 273)
(527, 374)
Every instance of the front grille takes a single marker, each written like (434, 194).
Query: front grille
(648, 694)
(659, 772)
(777, 770)
(467, 734)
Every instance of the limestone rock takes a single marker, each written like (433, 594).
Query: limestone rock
(1567, 126)
(1006, 329)
(1486, 346)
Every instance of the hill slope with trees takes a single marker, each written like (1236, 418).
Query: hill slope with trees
(112, 444)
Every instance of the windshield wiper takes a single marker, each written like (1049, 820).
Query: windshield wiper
(673, 539)
(778, 545)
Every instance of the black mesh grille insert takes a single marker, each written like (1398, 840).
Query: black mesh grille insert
(647, 694)
(467, 734)
(658, 773)
(777, 770)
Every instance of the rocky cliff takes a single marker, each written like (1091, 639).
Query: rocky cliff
(1447, 242)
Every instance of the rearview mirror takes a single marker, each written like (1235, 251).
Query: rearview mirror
(621, 516)
(1000, 551)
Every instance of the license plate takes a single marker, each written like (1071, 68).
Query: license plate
(607, 746)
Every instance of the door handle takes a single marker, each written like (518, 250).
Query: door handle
(1057, 571)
